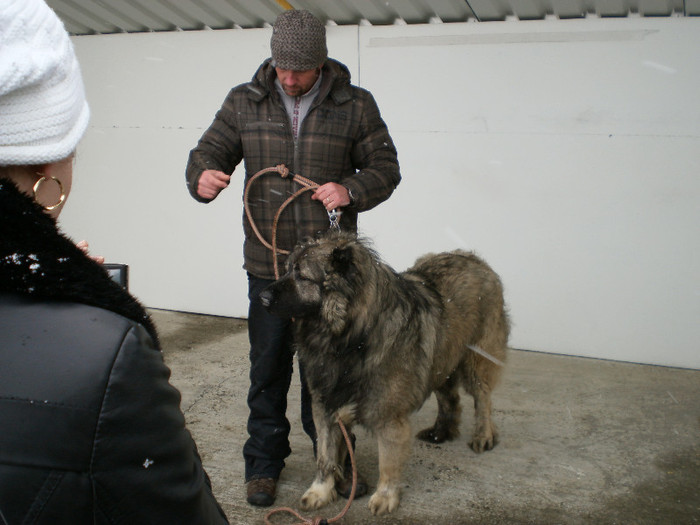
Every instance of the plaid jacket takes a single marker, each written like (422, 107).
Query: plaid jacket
(343, 139)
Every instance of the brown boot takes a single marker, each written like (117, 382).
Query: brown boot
(261, 491)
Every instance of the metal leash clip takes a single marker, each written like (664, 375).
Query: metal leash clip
(334, 219)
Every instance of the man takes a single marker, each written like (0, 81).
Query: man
(299, 110)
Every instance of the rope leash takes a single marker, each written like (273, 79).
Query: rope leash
(306, 185)
(334, 218)
(319, 520)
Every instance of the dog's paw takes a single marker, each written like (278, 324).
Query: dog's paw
(444, 429)
(483, 442)
(433, 435)
(384, 501)
(317, 496)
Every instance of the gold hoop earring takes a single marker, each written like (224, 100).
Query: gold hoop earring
(60, 187)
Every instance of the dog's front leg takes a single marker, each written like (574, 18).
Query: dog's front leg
(394, 440)
(322, 490)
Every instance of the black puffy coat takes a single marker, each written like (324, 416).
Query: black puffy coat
(91, 430)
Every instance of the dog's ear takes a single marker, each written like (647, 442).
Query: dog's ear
(341, 260)
(334, 311)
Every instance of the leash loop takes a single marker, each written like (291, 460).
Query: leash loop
(306, 185)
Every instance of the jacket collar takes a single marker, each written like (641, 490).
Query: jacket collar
(38, 261)
(336, 82)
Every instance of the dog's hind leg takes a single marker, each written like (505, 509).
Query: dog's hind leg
(446, 425)
(485, 435)
(481, 377)
(322, 490)
(394, 440)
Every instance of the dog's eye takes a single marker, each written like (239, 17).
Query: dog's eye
(296, 270)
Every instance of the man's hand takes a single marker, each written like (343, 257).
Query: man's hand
(211, 182)
(332, 196)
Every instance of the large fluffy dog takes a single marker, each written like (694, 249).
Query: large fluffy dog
(375, 344)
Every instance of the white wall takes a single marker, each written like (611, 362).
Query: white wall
(564, 152)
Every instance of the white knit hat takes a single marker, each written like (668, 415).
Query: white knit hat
(43, 111)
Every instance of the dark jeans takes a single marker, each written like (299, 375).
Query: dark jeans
(271, 368)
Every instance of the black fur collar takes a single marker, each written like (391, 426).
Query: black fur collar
(37, 260)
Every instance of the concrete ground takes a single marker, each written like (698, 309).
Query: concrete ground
(582, 440)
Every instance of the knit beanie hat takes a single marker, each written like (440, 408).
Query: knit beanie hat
(43, 111)
(298, 41)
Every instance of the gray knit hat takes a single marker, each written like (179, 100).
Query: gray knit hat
(298, 41)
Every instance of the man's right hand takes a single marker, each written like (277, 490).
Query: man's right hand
(211, 182)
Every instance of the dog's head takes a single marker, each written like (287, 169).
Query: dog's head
(321, 280)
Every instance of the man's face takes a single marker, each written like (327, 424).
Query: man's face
(296, 83)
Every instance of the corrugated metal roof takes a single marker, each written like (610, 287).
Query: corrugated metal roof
(86, 17)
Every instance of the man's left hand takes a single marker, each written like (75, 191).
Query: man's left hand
(332, 196)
